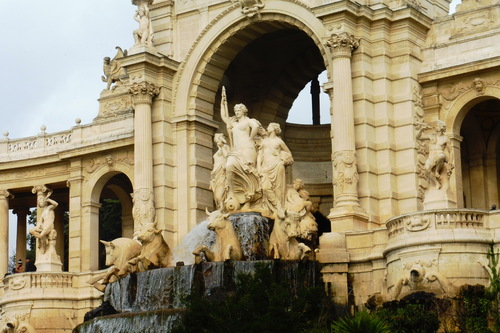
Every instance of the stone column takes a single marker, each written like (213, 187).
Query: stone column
(347, 213)
(4, 232)
(315, 91)
(22, 214)
(59, 226)
(143, 209)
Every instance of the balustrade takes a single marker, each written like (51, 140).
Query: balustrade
(436, 219)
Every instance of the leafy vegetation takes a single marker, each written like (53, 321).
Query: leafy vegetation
(415, 314)
(260, 303)
(361, 322)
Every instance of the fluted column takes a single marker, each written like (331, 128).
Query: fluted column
(22, 214)
(345, 173)
(4, 232)
(143, 210)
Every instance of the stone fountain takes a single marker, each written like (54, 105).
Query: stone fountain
(259, 219)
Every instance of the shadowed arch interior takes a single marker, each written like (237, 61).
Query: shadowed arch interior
(479, 154)
(264, 65)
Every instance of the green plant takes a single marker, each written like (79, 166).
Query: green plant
(473, 305)
(260, 302)
(494, 288)
(361, 322)
(414, 314)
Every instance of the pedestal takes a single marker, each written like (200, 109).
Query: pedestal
(438, 199)
(348, 219)
(48, 262)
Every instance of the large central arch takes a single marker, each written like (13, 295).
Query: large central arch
(230, 34)
(265, 61)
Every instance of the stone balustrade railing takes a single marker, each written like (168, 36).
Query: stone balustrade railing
(79, 136)
(27, 281)
(436, 219)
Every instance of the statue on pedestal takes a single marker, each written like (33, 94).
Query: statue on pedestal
(47, 258)
(439, 163)
(144, 34)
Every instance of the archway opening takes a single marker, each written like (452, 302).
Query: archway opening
(480, 155)
(267, 74)
(115, 213)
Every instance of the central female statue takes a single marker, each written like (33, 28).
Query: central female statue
(241, 174)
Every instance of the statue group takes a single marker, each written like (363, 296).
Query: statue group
(248, 176)
(249, 173)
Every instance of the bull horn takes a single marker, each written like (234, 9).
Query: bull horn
(105, 243)
(206, 211)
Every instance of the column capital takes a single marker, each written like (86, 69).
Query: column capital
(39, 189)
(21, 211)
(4, 194)
(143, 92)
(342, 45)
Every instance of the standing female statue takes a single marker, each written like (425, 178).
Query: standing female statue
(241, 176)
(272, 159)
(218, 174)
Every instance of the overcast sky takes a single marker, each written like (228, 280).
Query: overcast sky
(51, 60)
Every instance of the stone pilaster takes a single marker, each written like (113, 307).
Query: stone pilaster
(142, 96)
(4, 232)
(347, 213)
(22, 214)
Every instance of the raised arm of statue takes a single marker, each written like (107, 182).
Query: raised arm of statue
(224, 113)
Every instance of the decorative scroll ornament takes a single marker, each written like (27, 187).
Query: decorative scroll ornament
(143, 92)
(6, 194)
(250, 8)
(417, 223)
(342, 45)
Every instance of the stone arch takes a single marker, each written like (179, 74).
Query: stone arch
(203, 70)
(100, 176)
(462, 105)
(476, 161)
(91, 203)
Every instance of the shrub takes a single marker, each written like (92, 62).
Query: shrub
(415, 314)
(362, 322)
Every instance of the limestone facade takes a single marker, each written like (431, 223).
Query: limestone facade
(394, 67)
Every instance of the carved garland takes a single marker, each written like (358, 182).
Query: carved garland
(421, 147)
(109, 161)
(345, 170)
(451, 92)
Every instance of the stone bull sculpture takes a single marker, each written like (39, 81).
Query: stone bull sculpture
(118, 253)
(155, 252)
(227, 246)
(283, 240)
